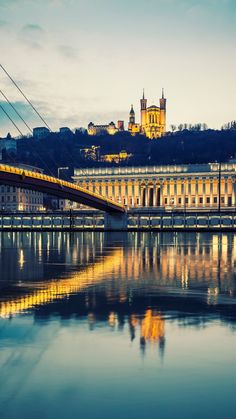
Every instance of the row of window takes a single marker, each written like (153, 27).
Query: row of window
(132, 201)
(193, 201)
(12, 198)
(11, 189)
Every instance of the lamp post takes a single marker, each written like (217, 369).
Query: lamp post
(58, 175)
(61, 168)
(219, 188)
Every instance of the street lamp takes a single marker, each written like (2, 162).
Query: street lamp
(61, 168)
(58, 175)
(219, 188)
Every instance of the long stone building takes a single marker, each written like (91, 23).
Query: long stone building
(202, 186)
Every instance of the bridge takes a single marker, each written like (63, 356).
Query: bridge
(21, 178)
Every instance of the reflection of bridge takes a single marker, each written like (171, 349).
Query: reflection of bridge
(50, 291)
(47, 184)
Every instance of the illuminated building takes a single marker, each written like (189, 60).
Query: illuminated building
(90, 153)
(183, 187)
(152, 119)
(110, 128)
(116, 158)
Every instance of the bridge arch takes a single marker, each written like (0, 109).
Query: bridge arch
(21, 178)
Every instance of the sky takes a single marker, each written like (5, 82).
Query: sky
(88, 60)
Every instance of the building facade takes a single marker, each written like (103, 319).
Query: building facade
(20, 199)
(186, 187)
(152, 119)
(40, 132)
(8, 146)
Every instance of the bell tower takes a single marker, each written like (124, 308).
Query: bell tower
(163, 114)
(131, 118)
(143, 111)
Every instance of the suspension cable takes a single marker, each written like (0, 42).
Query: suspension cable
(33, 107)
(16, 111)
(18, 129)
(26, 98)
(6, 113)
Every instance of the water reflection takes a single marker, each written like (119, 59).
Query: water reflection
(87, 308)
(38, 268)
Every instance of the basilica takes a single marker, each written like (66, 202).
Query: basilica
(152, 119)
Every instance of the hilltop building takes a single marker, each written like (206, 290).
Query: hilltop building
(152, 119)
(110, 128)
(116, 157)
(40, 132)
(8, 146)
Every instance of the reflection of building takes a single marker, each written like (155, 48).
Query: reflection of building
(152, 121)
(152, 327)
(181, 186)
(110, 128)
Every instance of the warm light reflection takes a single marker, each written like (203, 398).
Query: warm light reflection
(185, 263)
(21, 259)
(152, 327)
(54, 290)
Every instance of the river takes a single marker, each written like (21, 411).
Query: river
(117, 325)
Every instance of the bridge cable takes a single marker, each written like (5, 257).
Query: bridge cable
(19, 115)
(6, 113)
(16, 111)
(33, 107)
(26, 98)
(42, 119)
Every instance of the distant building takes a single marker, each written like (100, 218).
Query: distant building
(65, 130)
(116, 158)
(91, 153)
(40, 132)
(8, 145)
(152, 119)
(110, 129)
(20, 199)
(120, 125)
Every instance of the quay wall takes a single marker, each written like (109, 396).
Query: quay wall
(131, 221)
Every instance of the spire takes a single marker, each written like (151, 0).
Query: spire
(132, 110)
(143, 94)
(163, 96)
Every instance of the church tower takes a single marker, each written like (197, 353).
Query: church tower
(131, 118)
(162, 114)
(143, 111)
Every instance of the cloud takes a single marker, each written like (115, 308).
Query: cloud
(67, 52)
(3, 23)
(32, 35)
(32, 27)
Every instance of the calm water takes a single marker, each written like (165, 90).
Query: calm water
(96, 325)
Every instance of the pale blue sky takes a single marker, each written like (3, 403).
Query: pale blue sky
(88, 60)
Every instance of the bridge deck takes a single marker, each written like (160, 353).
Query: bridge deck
(27, 179)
